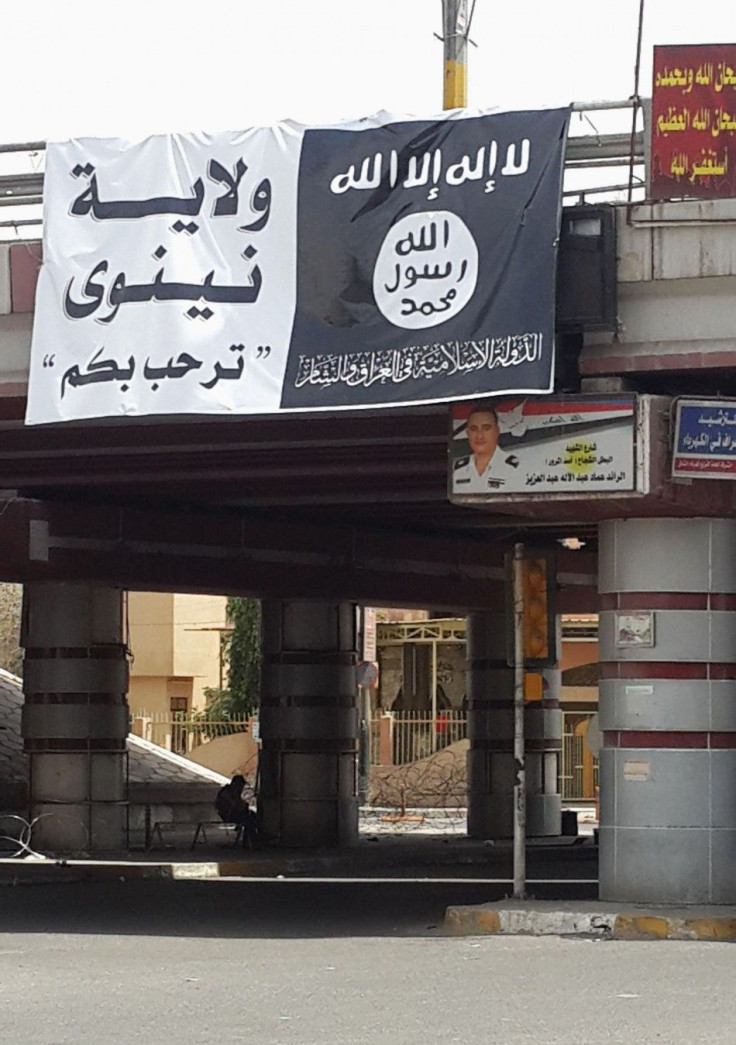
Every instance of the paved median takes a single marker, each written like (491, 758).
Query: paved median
(603, 920)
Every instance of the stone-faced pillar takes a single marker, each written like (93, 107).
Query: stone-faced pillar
(543, 753)
(75, 716)
(308, 724)
(668, 710)
(490, 688)
(491, 769)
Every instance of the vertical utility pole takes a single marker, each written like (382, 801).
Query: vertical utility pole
(364, 749)
(455, 39)
(519, 760)
(434, 694)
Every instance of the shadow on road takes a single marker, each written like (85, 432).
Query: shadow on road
(269, 909)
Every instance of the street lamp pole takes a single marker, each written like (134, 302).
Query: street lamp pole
(455, 40)
(519, 745)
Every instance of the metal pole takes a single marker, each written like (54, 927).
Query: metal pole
(455, 40)
(363, 724)
(364, 751)
(23, 147)
(434, 694)
(519, 761)
(635, 98)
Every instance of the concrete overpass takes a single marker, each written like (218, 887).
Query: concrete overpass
(315, 513)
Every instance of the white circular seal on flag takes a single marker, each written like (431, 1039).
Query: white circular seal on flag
(426, 270)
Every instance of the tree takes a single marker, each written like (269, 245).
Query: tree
(241, 652)
(244, 654)
(11, 654)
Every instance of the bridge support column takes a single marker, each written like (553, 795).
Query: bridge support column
(668, 710)
(75, 716)
(491, 770)
(543, 732)
(490, 687)
(309, 724)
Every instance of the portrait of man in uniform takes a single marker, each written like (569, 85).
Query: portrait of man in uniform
(487, 467)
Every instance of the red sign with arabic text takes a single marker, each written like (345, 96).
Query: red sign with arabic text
(693, 122)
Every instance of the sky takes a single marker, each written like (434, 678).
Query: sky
(72, 68)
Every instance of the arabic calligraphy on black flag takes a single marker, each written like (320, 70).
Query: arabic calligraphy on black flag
(382, 262)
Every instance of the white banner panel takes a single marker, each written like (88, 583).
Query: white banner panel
(381, 262)
(169, 276)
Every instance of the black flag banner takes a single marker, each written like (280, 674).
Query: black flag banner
(382, 262)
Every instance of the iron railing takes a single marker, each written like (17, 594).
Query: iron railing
(182, 732)
(403, 737)
(21, 180)
(578, 767)
(398, 738)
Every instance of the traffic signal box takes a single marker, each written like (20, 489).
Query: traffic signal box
(533, 686)
(538, 642)
(539, 617)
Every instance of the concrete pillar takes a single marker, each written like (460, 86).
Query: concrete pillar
(668, 710)
(309, 724)
(75, 716)
(543, 731)
(491, 771)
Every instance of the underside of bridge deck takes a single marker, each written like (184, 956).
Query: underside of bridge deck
(350, 506)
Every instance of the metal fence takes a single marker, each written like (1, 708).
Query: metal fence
(578, 767)
(399, 738)
(413, 735)
(404, 737)
(182, 732)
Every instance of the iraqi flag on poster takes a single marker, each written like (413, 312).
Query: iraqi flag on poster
(382, 262)
(561, 445)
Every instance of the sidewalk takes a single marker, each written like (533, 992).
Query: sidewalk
(411, 854)
(611, 921)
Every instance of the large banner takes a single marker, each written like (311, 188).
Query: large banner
(383, 262)
(693, 145)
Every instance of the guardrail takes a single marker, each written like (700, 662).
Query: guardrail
(591, 152)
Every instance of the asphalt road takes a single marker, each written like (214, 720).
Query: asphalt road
(317, 963)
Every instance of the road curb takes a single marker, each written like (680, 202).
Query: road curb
(51, 871)
(25, 872)
(656, 924)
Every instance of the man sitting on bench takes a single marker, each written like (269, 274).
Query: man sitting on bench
(232, 808)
